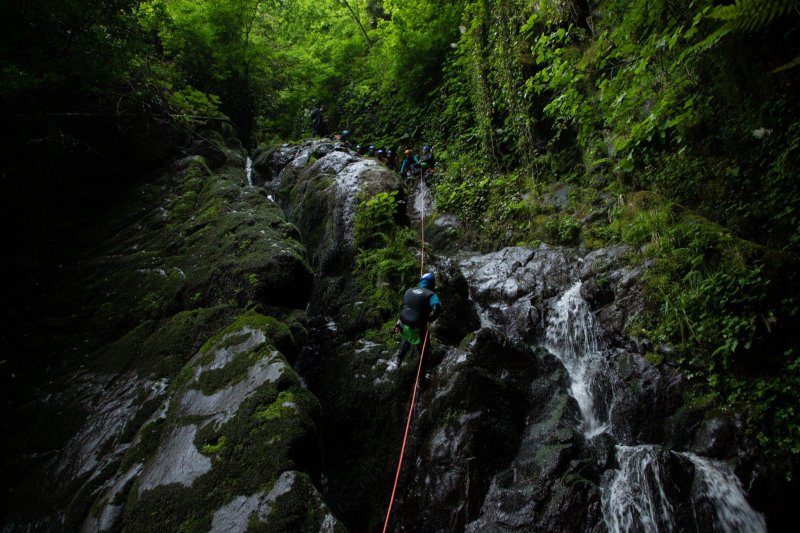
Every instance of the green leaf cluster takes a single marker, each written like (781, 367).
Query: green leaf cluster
(386, 263)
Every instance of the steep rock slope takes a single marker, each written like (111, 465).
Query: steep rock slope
(169, 402)
(541, 412)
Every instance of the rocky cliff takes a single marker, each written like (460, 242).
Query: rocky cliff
(216, 365)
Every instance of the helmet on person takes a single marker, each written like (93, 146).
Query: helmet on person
(390, 153)
(428, 280)
(371, 147)
(345, 133)
(407, 152)
(380, 152)
(426, 149)
(359, 148)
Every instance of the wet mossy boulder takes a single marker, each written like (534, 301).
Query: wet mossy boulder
(192, 239)
(237, 422)
(320, 188)
(155, 274)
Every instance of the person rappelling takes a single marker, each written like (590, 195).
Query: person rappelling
(421, 306)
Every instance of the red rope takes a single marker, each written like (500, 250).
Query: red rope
(422, 224)
(405, 435)
(421, 356)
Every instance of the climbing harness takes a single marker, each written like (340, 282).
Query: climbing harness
(419, 366)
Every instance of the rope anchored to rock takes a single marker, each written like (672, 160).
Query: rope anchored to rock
(419, 366)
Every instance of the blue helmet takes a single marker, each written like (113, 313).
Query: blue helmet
(390, 152)
(371, 147)
(428, 280)
(426, 148)
(345, 133)
(380, 152)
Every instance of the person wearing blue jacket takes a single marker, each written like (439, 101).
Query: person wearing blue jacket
(409, 163)
(421, 306)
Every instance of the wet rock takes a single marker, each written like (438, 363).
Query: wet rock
(321, 196)
(715, 437)
(533, 493)
(445, 233)
(473, 420)
(292, 504)
(604, 451)
(176, 461)
(644, 398)
(511, 285)
(459, 316)
(268, 163)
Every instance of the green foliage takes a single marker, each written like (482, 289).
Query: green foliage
(628, 87)
(752, 15)
(387, 271)
(715, 298)
(386, 263)
(375, 220)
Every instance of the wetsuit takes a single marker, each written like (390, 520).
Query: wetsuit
(420, 306)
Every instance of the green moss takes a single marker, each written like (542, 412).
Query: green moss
(278, 408)
(161, 348)
(165, 508)
(149, 439)
(276, 332)
(549, 452)
(214, 448)
(300, 509)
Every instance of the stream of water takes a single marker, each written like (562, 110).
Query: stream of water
(572, 337)
(642, 495)
(248, 171)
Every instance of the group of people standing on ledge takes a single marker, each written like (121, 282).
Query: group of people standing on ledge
(410, 164)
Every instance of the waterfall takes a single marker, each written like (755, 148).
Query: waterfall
(248, 171)
(635, 500)
(646, 493)
(572, 337)
(643, 496)
(423, 201)
(725, 491)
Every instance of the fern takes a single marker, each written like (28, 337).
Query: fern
(791, 64)
(752, 15)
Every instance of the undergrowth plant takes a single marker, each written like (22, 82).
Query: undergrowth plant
(715, 298)
(386, 261)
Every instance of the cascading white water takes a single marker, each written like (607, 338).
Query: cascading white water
(635, 498)
(423, 202)
(248, 170)
(725, 491)
(572, 337)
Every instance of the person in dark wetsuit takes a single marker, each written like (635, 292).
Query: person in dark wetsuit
(421, 306)
(318, 124)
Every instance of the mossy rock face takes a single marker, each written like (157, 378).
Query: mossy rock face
(152, 279)
(237, 420)
(193, 239)
(320, 188)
